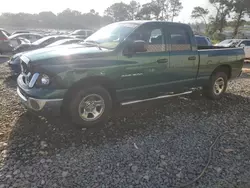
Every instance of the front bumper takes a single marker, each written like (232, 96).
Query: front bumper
(41, 106)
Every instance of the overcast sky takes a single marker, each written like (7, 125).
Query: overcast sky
(32, 6)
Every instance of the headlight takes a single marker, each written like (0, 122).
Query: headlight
(42, 80)
(45, 79)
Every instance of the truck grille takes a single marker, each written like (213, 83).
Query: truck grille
(24, 67)
(25, 71)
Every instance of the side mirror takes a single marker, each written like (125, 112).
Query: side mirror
(134, 47)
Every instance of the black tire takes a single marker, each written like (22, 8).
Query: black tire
(209, 90)
(78, 95)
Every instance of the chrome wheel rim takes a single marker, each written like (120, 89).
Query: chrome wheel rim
(91, 107)
(219, 86)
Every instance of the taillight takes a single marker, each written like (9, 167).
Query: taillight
(3, 39)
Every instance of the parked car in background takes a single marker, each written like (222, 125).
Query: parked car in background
(45, 41)
(23, 38)
(123, 63)
(245, 43)
(81, 33)
(65, 41)
(18, 32)
(203, 41)
(14, 62)
(238, 43)
(228, 43)
(5, 45)
(32, 37)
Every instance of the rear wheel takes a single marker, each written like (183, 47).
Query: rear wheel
(90, 106)
(217, 85)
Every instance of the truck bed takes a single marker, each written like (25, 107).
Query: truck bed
(212, 56)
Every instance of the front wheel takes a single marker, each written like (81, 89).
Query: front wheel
(217, 85)
(90, 106)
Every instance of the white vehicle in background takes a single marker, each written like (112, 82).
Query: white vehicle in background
(237, 43)
(246, 45)
(28, 37)
(64, 42)
(228, 43)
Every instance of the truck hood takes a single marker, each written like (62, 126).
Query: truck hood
(64, 52)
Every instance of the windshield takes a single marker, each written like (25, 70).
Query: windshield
(76, 32)
(40, 41)
(59, 42)
(112, 35)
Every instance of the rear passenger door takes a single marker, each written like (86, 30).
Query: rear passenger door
(184, 59)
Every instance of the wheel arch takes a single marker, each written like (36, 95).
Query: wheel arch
(225, 68)
(103, 81)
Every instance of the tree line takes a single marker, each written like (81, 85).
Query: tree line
(231, 13)
(72, 19)
(227, 13)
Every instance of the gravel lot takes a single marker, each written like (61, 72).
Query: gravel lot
(156, 144)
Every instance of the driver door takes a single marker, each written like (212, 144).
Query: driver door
(145, 72)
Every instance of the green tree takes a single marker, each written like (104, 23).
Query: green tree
(168, 9)
(223, 10)
(175, 8)
(134, 8)
(241, 8)
(46, 19)
(200, 13)
(149, 11)
(118, 11)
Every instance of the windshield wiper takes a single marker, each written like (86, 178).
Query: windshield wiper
(93, 43)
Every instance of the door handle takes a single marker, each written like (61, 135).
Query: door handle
(162, 60)
(191, 58)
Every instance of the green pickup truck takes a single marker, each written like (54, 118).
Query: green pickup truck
(123, 63)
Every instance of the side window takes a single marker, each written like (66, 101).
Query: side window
(153, 37)
(156, 41)
(179, 39)
(247, 43)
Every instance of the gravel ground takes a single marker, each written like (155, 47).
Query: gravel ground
(156, 144)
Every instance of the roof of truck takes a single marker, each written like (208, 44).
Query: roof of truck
(139, 22)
